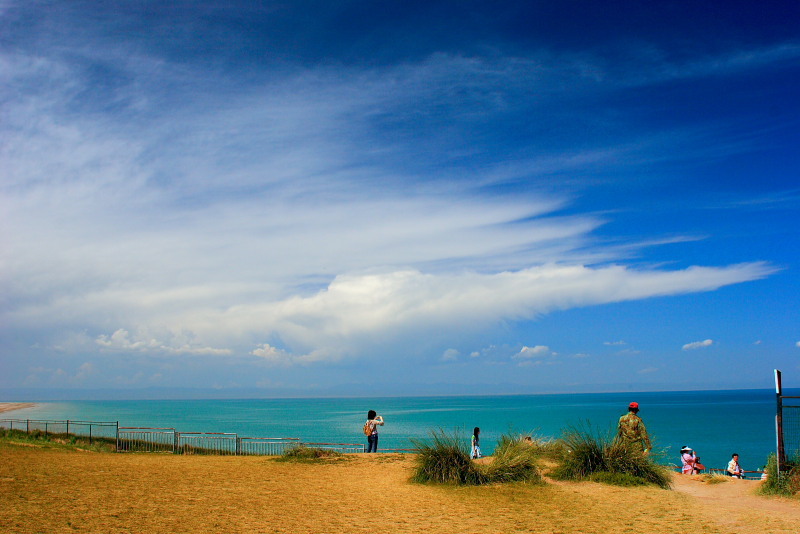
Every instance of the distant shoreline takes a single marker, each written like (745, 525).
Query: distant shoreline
(11, 406)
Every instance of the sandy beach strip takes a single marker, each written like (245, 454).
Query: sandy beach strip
(11, 406)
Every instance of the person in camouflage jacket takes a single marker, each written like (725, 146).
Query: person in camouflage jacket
(631, 429)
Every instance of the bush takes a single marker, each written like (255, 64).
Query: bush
(308, 454)
(587, 453)
(786, 483)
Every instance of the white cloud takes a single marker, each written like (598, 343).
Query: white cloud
(647, 370)
(248, 213)
(272, 354)
(698, 344)
(121, 340)
(797, 344)
(358, 314)
(532, 352)
(614, 343)
(450, 355)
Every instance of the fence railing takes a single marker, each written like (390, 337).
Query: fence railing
(90, 429)
(169, 440)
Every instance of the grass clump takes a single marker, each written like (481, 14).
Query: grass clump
(516, 460)
(444, 459)
(309, 455)
(786, 483)
(586, 453)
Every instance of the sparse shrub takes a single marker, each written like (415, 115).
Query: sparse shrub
(308, 454)
(786, 483)
(586, 453)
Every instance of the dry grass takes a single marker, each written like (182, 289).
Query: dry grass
(55, 490)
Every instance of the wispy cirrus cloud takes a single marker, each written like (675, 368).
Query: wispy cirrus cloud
(315, 213)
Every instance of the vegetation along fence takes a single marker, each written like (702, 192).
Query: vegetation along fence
(152, 439)
(90, 429)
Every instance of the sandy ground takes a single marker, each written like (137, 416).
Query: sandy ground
(9, 406)
(51, 490)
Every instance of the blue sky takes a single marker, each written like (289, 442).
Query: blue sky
(315, 198)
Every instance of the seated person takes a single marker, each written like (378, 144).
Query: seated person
(687, 460)
(691, 463)
(734, 469)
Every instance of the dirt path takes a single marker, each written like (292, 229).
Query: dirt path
(734, 504)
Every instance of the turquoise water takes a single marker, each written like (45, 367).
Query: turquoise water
(714, 423)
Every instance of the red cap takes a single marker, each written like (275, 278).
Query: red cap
(634, 405)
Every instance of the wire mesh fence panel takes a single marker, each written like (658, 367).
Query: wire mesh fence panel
(791, 431)
(266, 446)
(207, 443)
(146, 439)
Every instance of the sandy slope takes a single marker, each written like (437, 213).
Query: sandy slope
(9, 406)
(46, 490)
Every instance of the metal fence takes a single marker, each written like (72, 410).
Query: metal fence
(787, 426)
(169, 440)
(791, 428)
(142, 439)
(267, 446)
(90, 429)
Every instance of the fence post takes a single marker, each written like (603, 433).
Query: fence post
(238, 445)
(67, 426)
(175, 439)
(27, 426)
(781, 452)
(90, 433)
(116, 444)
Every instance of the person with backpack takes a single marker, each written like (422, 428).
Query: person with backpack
(371, 430)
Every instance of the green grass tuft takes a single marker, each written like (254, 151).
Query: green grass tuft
(444, 459)
(515, 460)
(586, 453)
(786, 483)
